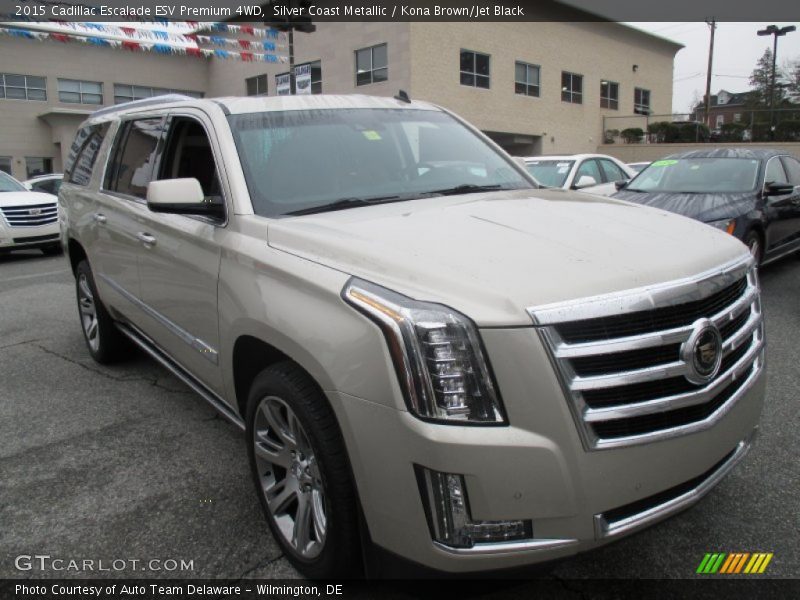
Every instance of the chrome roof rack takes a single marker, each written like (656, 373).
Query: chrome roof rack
(154, 101)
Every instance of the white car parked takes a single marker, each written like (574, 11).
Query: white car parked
(49, 184)
(27, 219)
(593, 173)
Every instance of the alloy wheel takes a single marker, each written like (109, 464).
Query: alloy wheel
(88, 312)
(290, 477)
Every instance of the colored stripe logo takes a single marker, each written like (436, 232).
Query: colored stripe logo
(734, 563)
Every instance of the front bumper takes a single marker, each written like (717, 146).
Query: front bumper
(19, 238)
(536, 468)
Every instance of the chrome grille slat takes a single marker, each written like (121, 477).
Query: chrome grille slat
(622, 411)
(20, 216)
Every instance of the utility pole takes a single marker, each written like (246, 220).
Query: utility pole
(713, 25)
(775, 32)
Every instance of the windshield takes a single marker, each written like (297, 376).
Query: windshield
(9, 184)
(698, 176)
(298, 161)
(552, 173)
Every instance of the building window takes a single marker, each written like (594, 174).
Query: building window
(38, 165)
(5, 164)
(571, 87)
(316, 77)
(720, 121)
(641, 101)
(22, 87)
(609, 95)
(126, 93)
(372, 65)
(737, 118)
(80, 92)
(256, 86)
(526, 79)
(474, 69)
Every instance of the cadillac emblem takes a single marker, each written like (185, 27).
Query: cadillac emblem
(35, 212)
(702, 352)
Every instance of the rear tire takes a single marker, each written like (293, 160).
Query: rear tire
(755, 244)
(302, 474)
(104, 341)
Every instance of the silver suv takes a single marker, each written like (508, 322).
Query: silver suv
(428, 353)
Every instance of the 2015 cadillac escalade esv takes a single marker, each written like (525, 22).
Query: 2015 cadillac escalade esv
(427, 351)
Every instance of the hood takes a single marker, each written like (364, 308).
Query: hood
(703, 207)
(490, 256)
(25, 198)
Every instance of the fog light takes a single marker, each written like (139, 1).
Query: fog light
(447, 509)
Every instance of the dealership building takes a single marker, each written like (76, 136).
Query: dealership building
(534, 87)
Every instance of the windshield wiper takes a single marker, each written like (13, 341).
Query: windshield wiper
(467, 188)
(344, 203)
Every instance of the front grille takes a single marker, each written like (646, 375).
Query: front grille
(30, 216)
(627, 372)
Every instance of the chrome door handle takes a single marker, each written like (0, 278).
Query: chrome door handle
(100, 218)
(146, 238)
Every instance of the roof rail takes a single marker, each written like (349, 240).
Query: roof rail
(155, 100)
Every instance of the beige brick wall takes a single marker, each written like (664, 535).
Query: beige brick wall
(23, 133)
(595, 50)
(335, 45)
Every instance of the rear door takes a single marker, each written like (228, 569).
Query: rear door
(179, 266)
(117, 210)
(792, 168)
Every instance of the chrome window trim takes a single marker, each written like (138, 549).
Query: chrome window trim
(660, 295)
(605, 529)
(208, 352)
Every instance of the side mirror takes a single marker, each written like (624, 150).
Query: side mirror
(621, 184)
(584, 181)
(180, 197)
(778, 189)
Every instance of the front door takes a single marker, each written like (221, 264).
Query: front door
(179, 258)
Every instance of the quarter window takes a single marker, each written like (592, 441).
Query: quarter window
(256, 86)
(609, 95)
(372, 65)
(38, 165)
(22, 87)
(475, 69)
(73, 91)
(526, 79)
(641, 101)
(571, 87)
(134, 159)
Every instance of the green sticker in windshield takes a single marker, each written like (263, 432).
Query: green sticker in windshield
(372, 135)
(664, 163)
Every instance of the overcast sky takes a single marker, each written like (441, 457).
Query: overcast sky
(736, 50)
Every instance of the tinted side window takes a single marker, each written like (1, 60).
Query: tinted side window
(135, 157)
(590, 168)
(83, 154)
(612, 171)
(792, 170)
(775, 172)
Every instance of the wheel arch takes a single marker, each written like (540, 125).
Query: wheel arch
(76, 254)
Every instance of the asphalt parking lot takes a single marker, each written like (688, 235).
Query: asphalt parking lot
(126, 462)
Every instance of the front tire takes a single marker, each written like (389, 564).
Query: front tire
(104, 341)
(302, 473)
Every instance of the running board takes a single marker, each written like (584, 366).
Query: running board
(146, 344)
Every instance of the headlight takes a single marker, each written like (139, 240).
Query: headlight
(437, 355)
(726, 225)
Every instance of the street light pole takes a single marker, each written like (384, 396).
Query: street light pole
(775, 32)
